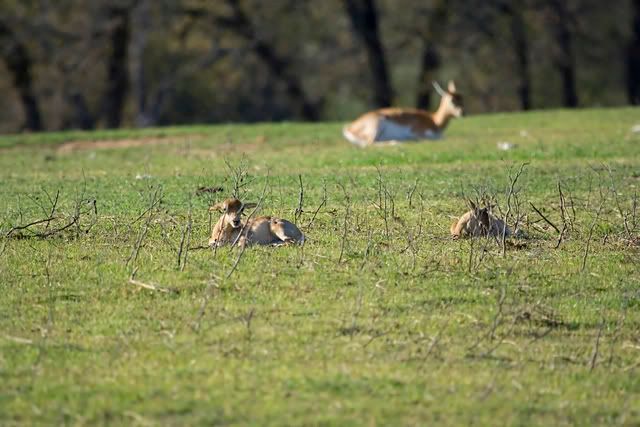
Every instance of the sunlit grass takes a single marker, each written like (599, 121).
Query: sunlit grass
(410, 327)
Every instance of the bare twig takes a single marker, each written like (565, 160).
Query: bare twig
(494, 347)
(18, 340)
(156, 198)
(154, 203)
(563, 214)
(471, 253)
(411, 191)
(384, 197)
(322, 203)
(347, 212)
(4, 246)
(247, 321)
(26, 226)
(629, 226)
(186, 238)
(436, 339)
(544, 218)
(54, 204)
(591, 229)
(367, 250)
(205, 302)
(52, 215)
(298, 213)
(616, 334)
(151, 286)
(239, 175)
(596, 347)
(497, 320)
(510, 196)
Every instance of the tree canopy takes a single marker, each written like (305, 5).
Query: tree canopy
(106, 64)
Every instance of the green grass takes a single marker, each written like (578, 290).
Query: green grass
(408, 328)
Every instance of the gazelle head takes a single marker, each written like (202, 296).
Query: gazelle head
(232, 210)
(482, 216)
(451, 100)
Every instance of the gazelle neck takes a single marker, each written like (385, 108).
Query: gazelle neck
(442, 116)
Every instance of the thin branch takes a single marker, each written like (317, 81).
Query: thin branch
(545, 218)
(563, 215)
(23, 227)
(411, 191)
(155, 200)
(298, 214)
(596, 347)
(322, 203)
(511, 193)
(591, 229)
(151, 286)
(497, 320)
(186, 238)
(347, 212)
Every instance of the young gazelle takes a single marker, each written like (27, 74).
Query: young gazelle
(404, 124)
(479, 222)
(265, 230)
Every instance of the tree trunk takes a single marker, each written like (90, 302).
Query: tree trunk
(117, 73)
(82, 117)
(279, 67)
(364, 19)
(428, 67)
(20, 66)
(633, 57)
(293, 87)
(566, 63)
(147, 112)
(521, 50)
(431, 61)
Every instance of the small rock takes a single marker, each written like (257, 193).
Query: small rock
(505, 145)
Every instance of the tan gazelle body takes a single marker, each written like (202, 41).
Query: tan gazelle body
(230, 229)
(405, 124)
(479, 222)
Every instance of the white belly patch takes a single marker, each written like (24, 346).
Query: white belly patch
(389, 130)
(431, 134)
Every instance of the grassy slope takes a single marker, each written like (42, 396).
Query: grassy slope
(408, 328)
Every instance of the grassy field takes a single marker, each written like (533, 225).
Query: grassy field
(380, 319)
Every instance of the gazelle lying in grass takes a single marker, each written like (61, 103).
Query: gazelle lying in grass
(405, 124)
(479, 222)
(265, 230)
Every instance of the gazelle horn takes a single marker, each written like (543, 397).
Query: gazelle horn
(438, 88)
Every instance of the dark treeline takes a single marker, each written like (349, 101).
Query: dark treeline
(68, 64)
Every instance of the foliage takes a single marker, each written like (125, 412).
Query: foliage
(87, 65)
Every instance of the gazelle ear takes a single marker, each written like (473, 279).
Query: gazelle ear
(249, 205)
(451, 87)
(220, 207)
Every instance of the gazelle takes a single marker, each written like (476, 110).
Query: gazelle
(405, 124)
(265, 230)
(479, 222)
